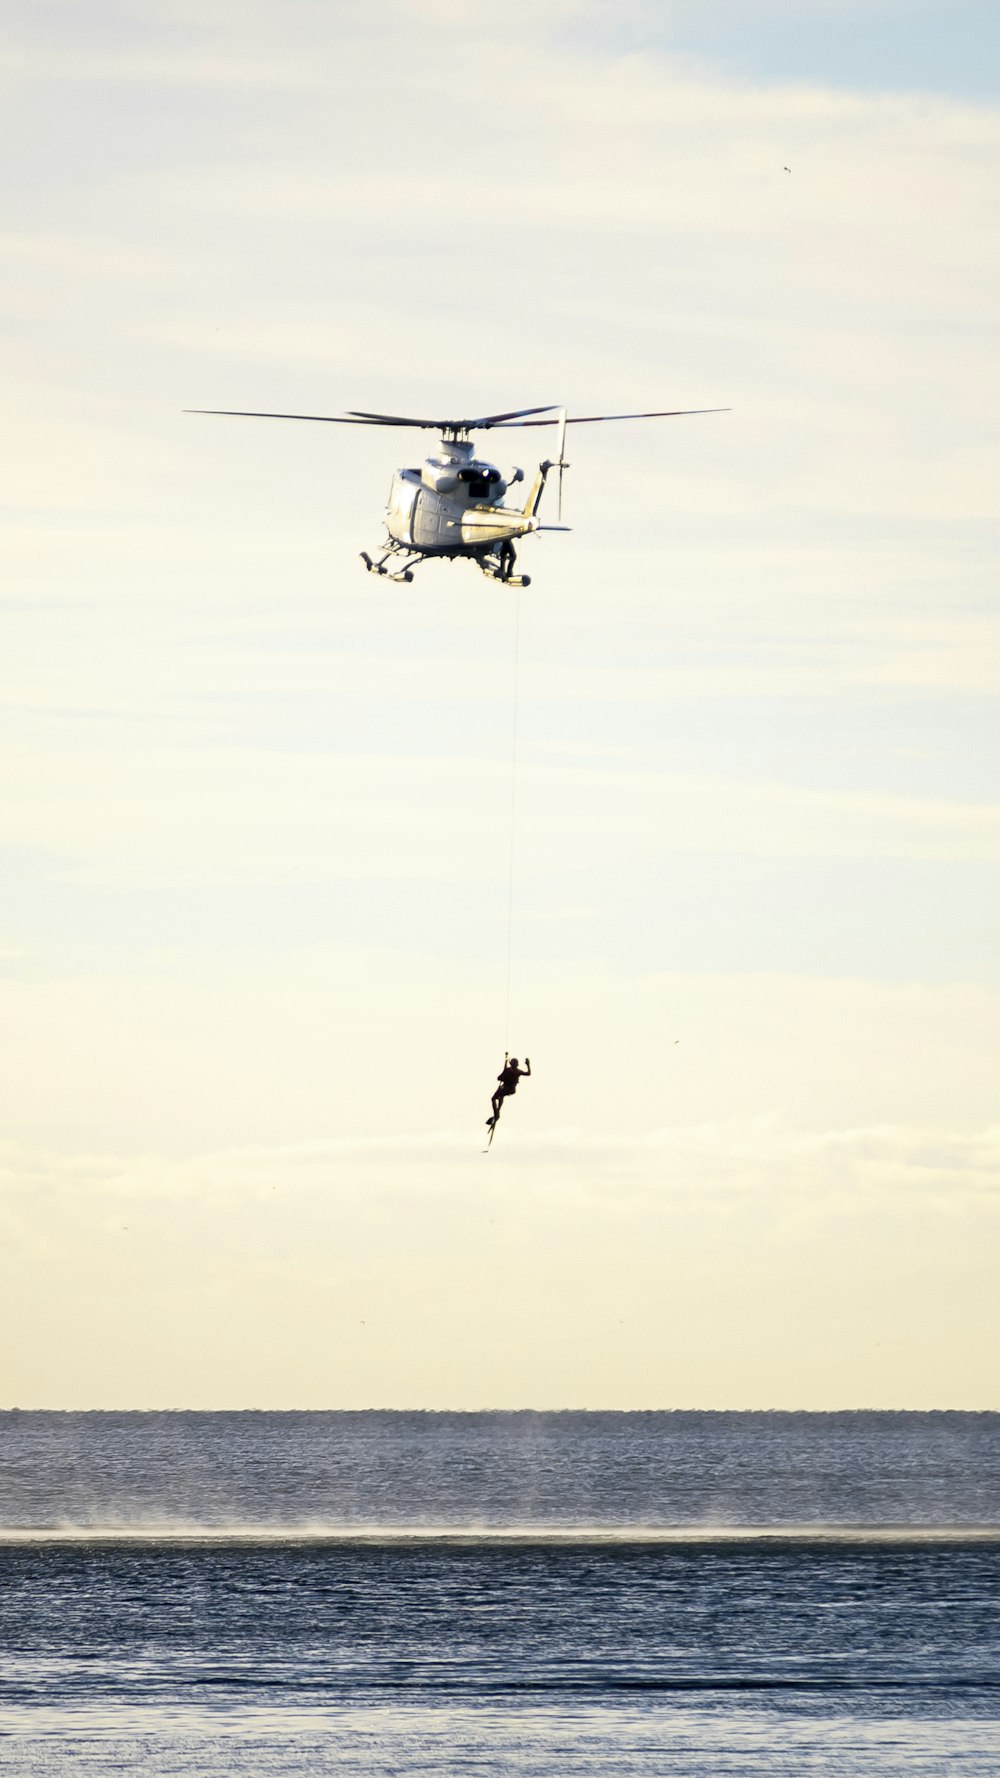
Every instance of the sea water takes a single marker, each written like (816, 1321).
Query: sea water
(564, 1594)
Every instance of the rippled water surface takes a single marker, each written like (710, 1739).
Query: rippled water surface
(563, 1595)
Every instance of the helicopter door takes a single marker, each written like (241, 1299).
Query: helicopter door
(402, 498)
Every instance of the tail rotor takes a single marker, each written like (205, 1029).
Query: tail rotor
(562, 463)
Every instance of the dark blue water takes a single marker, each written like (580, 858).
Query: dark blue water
(567, 1594)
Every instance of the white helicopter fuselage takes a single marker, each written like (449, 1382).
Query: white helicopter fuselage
(453, 504)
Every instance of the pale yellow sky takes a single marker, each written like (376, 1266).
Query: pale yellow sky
(255, 806)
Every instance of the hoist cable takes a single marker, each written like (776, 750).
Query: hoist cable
(513, 810)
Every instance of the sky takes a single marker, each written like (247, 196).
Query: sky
(256, 807)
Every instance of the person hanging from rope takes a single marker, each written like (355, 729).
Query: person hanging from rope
(507, 1079)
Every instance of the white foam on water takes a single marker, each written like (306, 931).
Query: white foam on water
(320, 1532)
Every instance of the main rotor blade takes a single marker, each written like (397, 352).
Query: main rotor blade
(398, 420)
(481, 424)
(240, 413)
(357, 418)
(515, 414)
(518, 417)
(672, 413)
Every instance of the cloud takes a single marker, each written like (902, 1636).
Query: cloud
(701, 1266)
(205, 69)
(844, 315)
(222, 1047)
(821, 1173)
(257, 876)
(229, 816)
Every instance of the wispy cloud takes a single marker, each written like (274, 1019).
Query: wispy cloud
(829, 1172)
(181, 815)
(256, 807)
(398, 1272)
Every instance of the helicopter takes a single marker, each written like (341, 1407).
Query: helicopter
(451, 505)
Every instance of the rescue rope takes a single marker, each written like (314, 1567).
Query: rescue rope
(513, 809)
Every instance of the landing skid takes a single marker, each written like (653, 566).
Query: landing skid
(403, 573)
(499, 565)
(505, 579)
(397, 562)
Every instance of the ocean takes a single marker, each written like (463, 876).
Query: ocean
(558, 1594)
